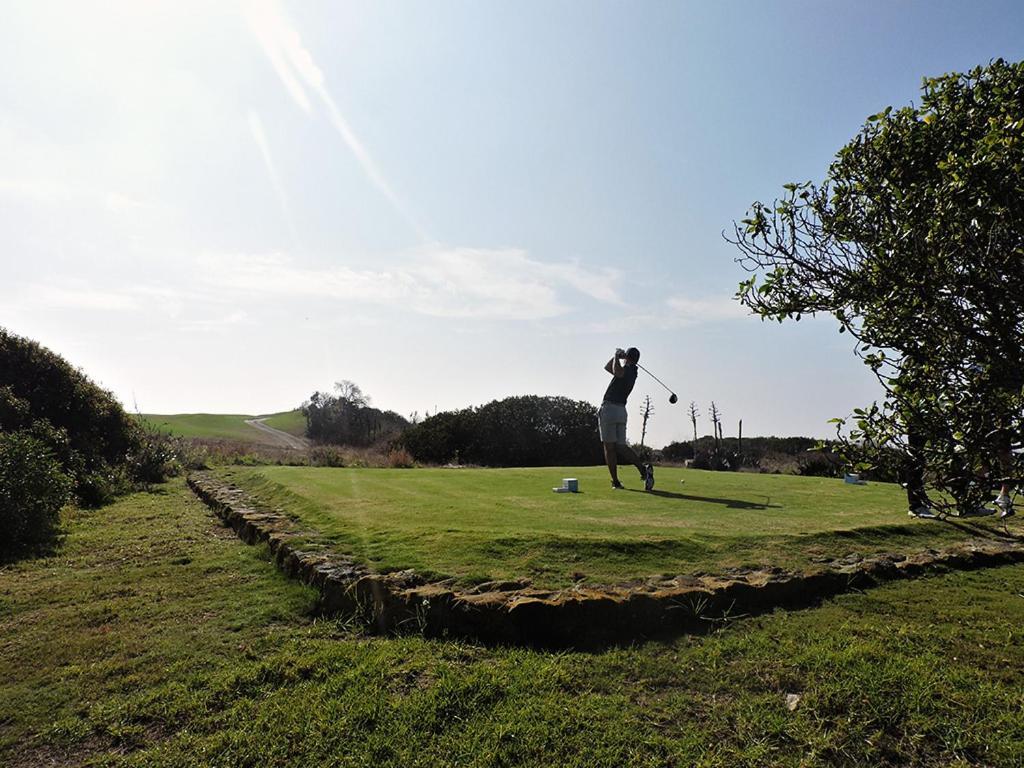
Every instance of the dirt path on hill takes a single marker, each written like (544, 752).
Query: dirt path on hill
(278, 437)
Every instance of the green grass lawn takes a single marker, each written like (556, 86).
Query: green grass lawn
(292, 422)
(153, 637)
(218, 426)
(483, 524)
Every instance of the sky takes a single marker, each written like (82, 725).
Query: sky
(223, 207)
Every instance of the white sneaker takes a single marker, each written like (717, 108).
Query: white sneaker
(924, 512)
(1005, 506)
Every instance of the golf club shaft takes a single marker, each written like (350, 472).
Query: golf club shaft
(655, 378)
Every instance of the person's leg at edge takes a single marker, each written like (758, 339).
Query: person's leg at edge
(629, 456)
(611, 459)
(609, 430)
(1004, 456)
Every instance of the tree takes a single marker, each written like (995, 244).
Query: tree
(351, 393)
(646, 411)
(914, 243)
(346, 418)
(694, 413)
(527, 431)
(716, 424)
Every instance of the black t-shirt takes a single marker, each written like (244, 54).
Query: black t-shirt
(621, 386)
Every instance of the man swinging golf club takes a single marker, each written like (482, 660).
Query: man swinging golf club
(612, 417)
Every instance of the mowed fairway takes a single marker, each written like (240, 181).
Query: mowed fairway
(225, 426)
(485, 524)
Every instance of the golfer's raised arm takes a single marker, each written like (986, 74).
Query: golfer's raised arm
(613, 366)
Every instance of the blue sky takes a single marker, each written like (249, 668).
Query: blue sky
(222, 207)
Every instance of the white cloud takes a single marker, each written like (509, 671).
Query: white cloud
(38, 190)
(271, 30)
(83, 295)
(674, 312)
(296, 67)
(434, 281)
(59, 192)
(431, 281)
(218, 324)
(78, 297)
(690, 311)
(598, 283)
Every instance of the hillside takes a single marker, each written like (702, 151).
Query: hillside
(214, 426)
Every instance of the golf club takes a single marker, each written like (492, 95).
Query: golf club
(671, 395)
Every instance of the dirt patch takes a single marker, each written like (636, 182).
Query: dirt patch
(580, 616)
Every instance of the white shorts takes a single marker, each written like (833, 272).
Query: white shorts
(611, 423)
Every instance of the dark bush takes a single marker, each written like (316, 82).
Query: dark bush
(678, 452)
(643, 452)
(33, 488)
(719, 461)
(527, 431)
(820, 463)
(327, 456)
(85, 428)
(439, 439)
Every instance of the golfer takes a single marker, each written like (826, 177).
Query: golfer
(612, 417)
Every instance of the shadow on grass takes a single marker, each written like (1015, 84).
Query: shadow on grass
(731, 503)
(34, 551)
(984, 531)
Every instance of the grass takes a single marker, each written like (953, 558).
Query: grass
(215, 426)
(292, 422)
(155, 638)
(479, 525)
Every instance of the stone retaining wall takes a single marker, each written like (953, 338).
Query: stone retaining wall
(514, 612)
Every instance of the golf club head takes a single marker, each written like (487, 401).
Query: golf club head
(673, 399)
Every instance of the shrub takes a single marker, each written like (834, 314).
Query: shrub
(86, 429)
(643, 452)
(33, 488)
(819, 464)
(439, 438)
(326, 456)
(156, 456)
(399, 458)
(719, 461)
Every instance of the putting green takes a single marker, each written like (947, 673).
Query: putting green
(486, 524)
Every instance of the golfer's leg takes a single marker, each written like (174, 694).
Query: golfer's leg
(628, 455)
(606, 431)
(611, 460)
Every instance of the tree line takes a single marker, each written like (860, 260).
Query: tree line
(345, 417)
(527, 431)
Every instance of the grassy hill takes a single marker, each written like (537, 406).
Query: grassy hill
(217, 426)
(292, 422)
